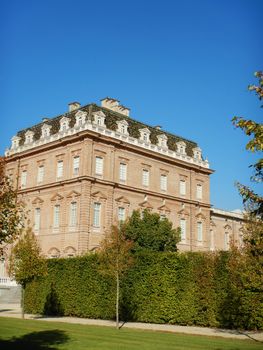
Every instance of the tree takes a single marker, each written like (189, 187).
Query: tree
(253, 229)
(253, 201)
(115, 258)
(246, 265)
(26, 261)
(150, 232)
(11, 213)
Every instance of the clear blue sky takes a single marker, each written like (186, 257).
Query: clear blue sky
(182, 64)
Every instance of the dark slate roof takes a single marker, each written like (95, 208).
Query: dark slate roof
(111, 118)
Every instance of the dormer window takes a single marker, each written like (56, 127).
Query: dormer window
(197, 153)
(15, 141)
(181, 147)
(162, 140)
(123, 127)
(145, 135)
(64, 124)
(99, 118)
(45, 130)
(80, 118)
(29, 136)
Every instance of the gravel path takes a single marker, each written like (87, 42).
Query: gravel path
(13, 310)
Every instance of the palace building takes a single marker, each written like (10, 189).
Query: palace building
(84, 170)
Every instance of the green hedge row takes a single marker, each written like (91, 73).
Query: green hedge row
(176, 288)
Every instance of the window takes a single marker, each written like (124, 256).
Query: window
(64, 126)
(123, 129)
(99, 121)
(123, 172)
(37, 219)
(145, 177)
(45, 131)
(199, 231)
(181, 147)
(73, 214)
(183, 229)
(121, 214)
(40, 173)
(212, 240)
(80, 120)
(96, 217)
(145, 137)
(76, 165)
(56, 215)
(23, 178)
(182, 187)
(162, 217)
(163, 183)
(199, 191)
(226, 242)
(59, 168)
(99, 166)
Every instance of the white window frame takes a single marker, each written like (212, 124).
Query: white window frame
(145, 177)
(212, 240)
(183, 229)
(40, 173)
(24, 179)
(121, 214)
(162, 217)
(123, 127)
(73, 214)
(99, 165)
(37, 218)
(199, 191)
(163, 182)
(199, 231)
(226, 240)
(96, 214)
(76, 162)
(60, 169)
(45, 131)
(123, 172)
(182, 185)
(56, 216)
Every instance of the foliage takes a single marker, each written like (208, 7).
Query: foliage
(26, 261)
(253, 201)
(115, 258)
(149, 232)
(11, 214)
(73, 287)
(201, 289)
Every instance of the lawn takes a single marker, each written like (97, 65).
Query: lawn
(41, 335)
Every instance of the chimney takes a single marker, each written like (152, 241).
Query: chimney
(114, 105)
(72, 106)
(158, 127)
(45, 119)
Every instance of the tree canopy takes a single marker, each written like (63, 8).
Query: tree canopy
(26, 260)
(115, 258)
(149, 232)
(252, 200)
(11, 212)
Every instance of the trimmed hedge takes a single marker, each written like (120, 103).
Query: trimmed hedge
(176, 288)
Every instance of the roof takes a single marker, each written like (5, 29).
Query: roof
(112, 117)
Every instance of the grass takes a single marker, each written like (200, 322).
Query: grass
(41, 335)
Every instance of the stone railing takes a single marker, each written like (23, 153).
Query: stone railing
(7, 281)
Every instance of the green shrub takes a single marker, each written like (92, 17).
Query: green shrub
(201, 289)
